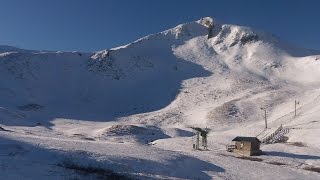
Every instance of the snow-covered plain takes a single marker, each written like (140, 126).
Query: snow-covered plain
(129, 109)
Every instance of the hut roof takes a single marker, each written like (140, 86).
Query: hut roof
(247, 139)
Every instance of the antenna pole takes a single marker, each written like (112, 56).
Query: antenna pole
(295, 108)
(265, 117)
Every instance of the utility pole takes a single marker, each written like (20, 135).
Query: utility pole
(197, 140)
(295, 107)
(265, 116)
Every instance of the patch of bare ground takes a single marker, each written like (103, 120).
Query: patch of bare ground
(81, 136)
(299, 144)
(277, 163)
(97, 172)
(312, 168)
(250, 158)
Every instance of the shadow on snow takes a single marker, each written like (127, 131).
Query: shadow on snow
(291, 155)
(20, 159)
(91, 96)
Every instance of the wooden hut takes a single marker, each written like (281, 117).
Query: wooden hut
(249, 146)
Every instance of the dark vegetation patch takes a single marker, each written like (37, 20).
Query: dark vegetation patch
(88, 139)
(99, 172)
(81, 136)
(233, 110)
(312, 168)
(299, 144)
(140, 134)
(250, 158)
(275, 65)
(30, 107)
(276, 163)
(228, 113)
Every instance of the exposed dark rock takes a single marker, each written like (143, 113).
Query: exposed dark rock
(250, 38)
(30, 107)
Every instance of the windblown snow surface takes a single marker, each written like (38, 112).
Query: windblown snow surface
(126, 112)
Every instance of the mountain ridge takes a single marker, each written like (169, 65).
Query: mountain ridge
(155, 69)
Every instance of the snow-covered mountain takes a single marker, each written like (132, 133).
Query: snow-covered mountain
(201, 73)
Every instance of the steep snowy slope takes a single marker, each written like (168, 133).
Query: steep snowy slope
(130, 108)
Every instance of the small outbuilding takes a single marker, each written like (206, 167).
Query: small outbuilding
(249, 146)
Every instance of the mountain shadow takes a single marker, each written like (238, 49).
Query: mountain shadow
(38, 88)
(19, 160)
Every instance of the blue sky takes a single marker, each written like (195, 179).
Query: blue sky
(90, 25)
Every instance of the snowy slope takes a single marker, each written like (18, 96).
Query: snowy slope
(129, 108)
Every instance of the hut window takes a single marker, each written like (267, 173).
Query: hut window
(241, 145)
